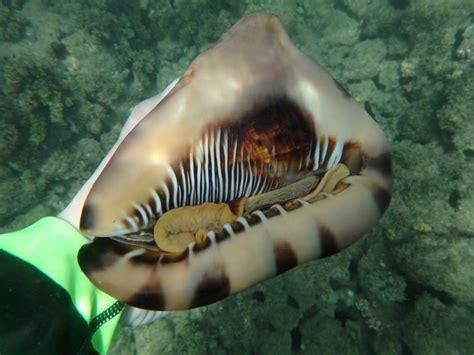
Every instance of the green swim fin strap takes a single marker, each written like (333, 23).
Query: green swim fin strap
(51, 245)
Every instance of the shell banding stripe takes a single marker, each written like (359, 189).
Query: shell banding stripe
(224, 166)
(210, 288)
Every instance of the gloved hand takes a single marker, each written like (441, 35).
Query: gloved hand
(51, 245)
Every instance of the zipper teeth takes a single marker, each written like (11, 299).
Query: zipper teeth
(105, 316)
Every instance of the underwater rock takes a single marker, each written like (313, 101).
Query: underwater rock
(457, 107)
(441, 264)
(9, 139)
(435, 327)
(12, 23)
(365, 60)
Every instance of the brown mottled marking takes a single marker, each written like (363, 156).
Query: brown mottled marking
(235, 206)
(150, 297)
(175, 257)
(253, 219)
(328, 241)
(222, 235)
(331, 145)
(101, 254)
(382, 163)
(211, 289)
(127, 224)
(291, 206)
(276, 126)
(285, 257)
(88, 217)
(352, 157)
(149, 257)
(237, 227)
(202, 246)
(382, 198)
(272, 212)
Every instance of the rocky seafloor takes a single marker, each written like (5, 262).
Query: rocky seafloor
(70, 72)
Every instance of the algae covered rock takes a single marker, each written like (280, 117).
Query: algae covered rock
(455, 116)
(442, 264)
(12, 23)
(365, 60)
(434, 327)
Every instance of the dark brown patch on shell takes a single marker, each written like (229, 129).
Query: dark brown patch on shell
(382, 163)
(331, 146)
(280, 124)
(206, 243)
(352, 157)
(148, 298)
(285, 257)
(382, 198)
(211, 289)
(171, 258)
(328, 242)
(101, 254)
(127, 224)
(88, 217)
(252, 219)
(291, 206)
(149, 257)
(222, 235)
(272, 212)
(236, 206)
(237, 227)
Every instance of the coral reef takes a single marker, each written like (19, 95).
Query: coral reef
(71, 71)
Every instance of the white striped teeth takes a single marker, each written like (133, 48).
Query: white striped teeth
(316, 155)
(212, 236)
(167, 195)
(133, 225)
(261, 215)
(142, 214)
(335, 155)
(225, 149)
(220, 169)
(157, 201)
(191, 176)
(220, 185)
(184, 179)
(174, 183)
(243, 222)
(228, 228)
(280, 209)
(303, 202)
